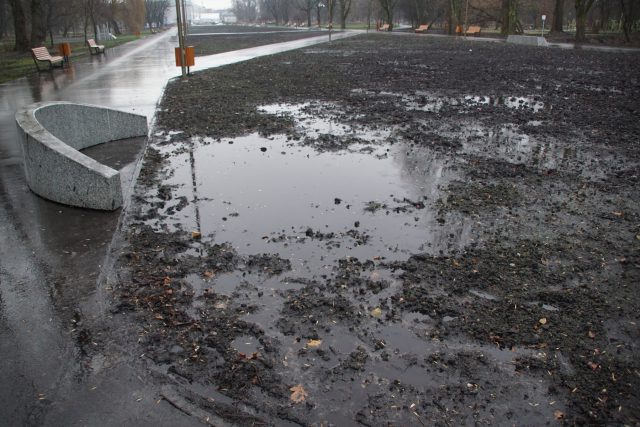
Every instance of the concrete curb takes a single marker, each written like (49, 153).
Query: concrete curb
(51, 134)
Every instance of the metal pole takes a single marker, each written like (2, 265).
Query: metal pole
(331, 4)
(181, 39)
(466, 17)
(185, 19)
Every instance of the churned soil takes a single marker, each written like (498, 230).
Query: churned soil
(209, 40)
(524, 312)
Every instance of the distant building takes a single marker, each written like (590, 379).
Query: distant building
(191, 12)
(228, 17)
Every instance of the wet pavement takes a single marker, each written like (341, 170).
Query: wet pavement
(51, 255)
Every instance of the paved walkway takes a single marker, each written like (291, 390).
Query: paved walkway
(51, 255)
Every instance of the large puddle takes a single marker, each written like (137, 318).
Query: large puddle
(368, 194)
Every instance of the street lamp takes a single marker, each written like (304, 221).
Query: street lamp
(179, 18)
(544, 18)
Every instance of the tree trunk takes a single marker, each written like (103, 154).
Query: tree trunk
(38, 23)
(558, 16)
(451, 29)
(19, 25)
(629, 16)
(582, 8)
(345, 8)
(388, 7)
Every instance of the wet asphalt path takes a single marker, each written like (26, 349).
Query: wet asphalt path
(51, 255)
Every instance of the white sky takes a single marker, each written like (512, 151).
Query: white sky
(214, 4)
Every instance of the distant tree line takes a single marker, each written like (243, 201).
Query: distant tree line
(510, 16)
(31, 22)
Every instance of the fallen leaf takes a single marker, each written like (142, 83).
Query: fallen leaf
(591, 334)
(208, 274)
(376, 312)
(298, 394)
(617, 213)
(559, 415)
(167, 281)
(196, 234)
(593, 365)
(314, 343)
(543, 321)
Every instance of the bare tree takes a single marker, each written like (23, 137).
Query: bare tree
(388, 7)
(155, 11)
(630, 15)
(19, 25)
(345, 8)
(510, 23)
(277, 10)
(582, 8)
(558, 16)
(4, 18)
(38, 22)
(245, 10)
(135, 15)
(307, 7)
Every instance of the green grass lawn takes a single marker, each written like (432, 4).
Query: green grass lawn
(14, 65)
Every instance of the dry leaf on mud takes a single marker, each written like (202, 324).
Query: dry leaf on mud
(314, 343)
(591, 334)
(376, 312)
(196, 234)
(559, 415)
(593, 365)
(208, 274)
(298, 394)
(543, 321)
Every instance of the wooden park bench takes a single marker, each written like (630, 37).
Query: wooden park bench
(422, 28)
(473, 29)
(384, 27)
(41, 54)
(94, 48)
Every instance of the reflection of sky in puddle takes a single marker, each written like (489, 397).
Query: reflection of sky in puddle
(434, 102)
(246, 344)
(508, 143)
(289, 188)
(312, 119)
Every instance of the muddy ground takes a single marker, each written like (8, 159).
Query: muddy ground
(497, 284)
(209, 40)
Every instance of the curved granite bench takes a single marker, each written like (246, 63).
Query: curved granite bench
(52, 133)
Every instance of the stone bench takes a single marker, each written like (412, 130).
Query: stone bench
(527, 40)
(51, 134)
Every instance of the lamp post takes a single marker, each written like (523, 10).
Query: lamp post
(331, 4)
(179, 19)
(544, 18)
(466, 16)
